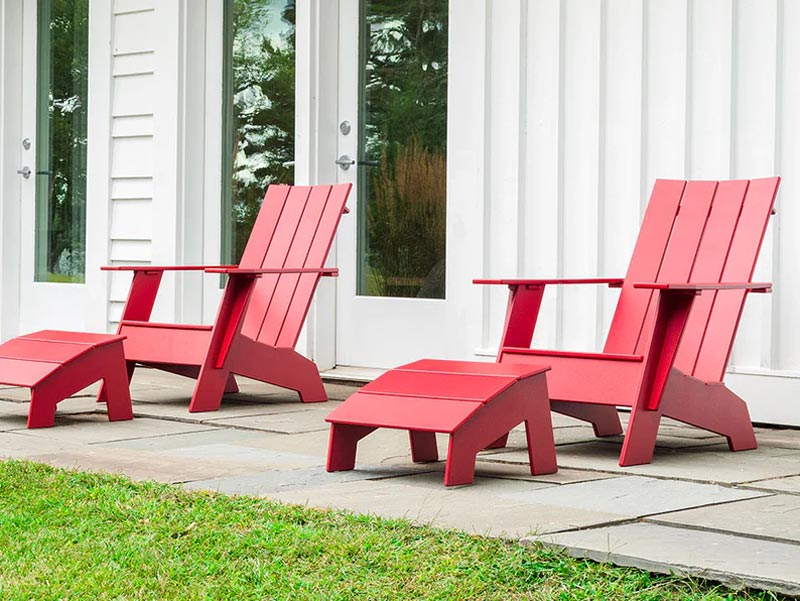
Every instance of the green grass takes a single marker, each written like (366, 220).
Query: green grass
(72, 535)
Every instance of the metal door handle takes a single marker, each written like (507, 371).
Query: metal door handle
(25, 172)
(344, 162)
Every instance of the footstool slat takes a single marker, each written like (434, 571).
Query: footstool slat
(39, 350)
(475, 387)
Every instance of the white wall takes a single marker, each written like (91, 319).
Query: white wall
(587, 102)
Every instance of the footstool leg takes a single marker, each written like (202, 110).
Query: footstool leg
(423, 446)
(342, 446)
(115, 384)
(460, 468)
(130, 367)
(42, 412)
(539, 432)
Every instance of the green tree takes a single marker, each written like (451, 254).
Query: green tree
(61, 161)
(262, 91)
(404, 81)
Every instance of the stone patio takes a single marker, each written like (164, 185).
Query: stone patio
(697, 509)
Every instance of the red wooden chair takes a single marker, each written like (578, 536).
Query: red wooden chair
(262, 310)
(673, 329)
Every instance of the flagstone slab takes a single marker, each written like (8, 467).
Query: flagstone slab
(262, 483)
(140, 465)
(775, 517)
(734, 560)
(519, 471)
(254, 459)
(634, 496)
(294, 422)
(94, 428)
(784, 438)
(14, 414)
(713, 463)
(17, 445)
(482, 508)
(190, 438)
(179, 410)
(790, 484)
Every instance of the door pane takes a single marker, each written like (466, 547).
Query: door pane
(402, 178)
(63, 36)
(258, 112)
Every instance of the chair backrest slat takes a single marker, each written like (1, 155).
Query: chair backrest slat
(709, 264)
(301, 237)
(628, 321)
(681, 251)
(317, 254)
(695, 232)
(274, 256)
(715, 349)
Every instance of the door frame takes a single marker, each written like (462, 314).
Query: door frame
(465, 306)
(18, 51)
(10, 154)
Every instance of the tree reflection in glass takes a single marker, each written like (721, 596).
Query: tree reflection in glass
(258, 111)
(402, 178)
(63, 36)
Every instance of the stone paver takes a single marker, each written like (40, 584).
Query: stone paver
(140, 465)
(734, 560)
(704, 464)
(262, 483)
(294, 422)
(424, 500)
(94, 428)
(634, 496)
(790, 484)
(697, 509)
(775, 517)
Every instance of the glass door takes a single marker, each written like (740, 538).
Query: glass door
(393, 148)
(53, 204)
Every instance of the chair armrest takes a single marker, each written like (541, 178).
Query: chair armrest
(234, 271)
(612, 282)
(154, 268)
(697, 288)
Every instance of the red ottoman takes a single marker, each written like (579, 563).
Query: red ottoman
(477, 404)
(56, 365)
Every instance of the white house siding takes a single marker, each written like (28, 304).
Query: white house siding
(586, 103)
(132, 146)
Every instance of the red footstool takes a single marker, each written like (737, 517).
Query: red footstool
(56, 365)
(477, 404)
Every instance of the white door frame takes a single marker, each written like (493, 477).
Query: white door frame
(323, 26)
(28, 305)
(10, 155)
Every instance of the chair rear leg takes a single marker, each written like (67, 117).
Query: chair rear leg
(711, 406)
(343, 444)
(604, 418)
(423, 446)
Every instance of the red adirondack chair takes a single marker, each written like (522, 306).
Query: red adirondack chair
(673, 329)
(262, 310)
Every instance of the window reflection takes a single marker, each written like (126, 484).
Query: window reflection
(402, 179)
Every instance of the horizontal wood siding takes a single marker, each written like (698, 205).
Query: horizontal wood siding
(132, 143)
(588, 103)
